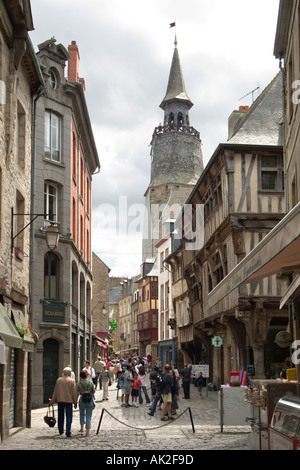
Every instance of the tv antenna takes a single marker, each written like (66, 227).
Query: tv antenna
(250, 93)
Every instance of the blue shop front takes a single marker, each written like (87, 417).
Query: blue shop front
(167, 351)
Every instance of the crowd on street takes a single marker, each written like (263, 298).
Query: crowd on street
(129, 377)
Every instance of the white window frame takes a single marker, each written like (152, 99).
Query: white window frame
(50, 201)
(52, 136)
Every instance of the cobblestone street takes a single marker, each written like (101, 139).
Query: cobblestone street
(133, 429)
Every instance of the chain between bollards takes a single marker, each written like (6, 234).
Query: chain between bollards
(143, 429)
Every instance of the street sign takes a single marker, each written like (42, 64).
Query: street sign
(197, 368)
(113, 324)
(217, 341)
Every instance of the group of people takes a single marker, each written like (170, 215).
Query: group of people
(130, 377)
(68, 393)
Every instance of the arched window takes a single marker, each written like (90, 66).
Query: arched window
(51, 276)
(171, 118)
(180, 119)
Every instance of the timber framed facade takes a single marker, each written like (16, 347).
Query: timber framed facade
(242, 191)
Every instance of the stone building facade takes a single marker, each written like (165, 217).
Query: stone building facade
(100, 308)
(20, 83)
(65, 160)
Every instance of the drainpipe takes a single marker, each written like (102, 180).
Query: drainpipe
(40, 92)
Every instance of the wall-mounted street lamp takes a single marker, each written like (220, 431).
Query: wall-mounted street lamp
(51, 233)
(52, 236)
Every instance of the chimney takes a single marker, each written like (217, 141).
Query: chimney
(234, 120)
(73, 63)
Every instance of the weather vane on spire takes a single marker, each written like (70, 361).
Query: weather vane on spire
(173, 25)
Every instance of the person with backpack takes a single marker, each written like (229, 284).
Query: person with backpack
(166, 393)
(157, 395)
(85, 392)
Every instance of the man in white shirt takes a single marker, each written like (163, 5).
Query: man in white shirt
(90, 370)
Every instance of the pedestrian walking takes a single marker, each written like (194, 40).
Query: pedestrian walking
(166, 393)
(65, 396)
(200, 382)
(175, 393)
(149, 362)
(90, 370)
(152, 377)
(157, 397)
(98, 368)
(140, 369)
(128, 379)
(122, 387)
(185, 374)
(106, 381)
(158, 362)
(85, 392)
(136, 384)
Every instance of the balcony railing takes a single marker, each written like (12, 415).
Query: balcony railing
(175, 128)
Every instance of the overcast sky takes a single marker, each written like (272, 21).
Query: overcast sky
(126, 49)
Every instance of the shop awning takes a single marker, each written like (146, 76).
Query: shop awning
(8, 332)
(28, 342)
(278, 252)
(291, 291)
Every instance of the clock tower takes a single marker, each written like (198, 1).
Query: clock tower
(176, 160)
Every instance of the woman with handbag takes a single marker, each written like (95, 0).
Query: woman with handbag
(85, 392)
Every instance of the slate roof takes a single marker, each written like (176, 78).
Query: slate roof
(262, 124)
(176, 86)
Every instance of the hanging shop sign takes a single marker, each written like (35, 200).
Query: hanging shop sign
(217, 341)
(53, 312)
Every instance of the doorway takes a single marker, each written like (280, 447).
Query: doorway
(50, 367)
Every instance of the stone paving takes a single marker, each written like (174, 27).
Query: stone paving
(133, 429)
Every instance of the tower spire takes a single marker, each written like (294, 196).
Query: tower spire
(176, 91)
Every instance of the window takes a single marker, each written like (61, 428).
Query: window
(50, 202)
(53, 79)
(74, 155)
(272, 178)
(217, 268)
(208, 203)
(162, 298)
(20, 209)
(180, 119)
(167, 295)
(52, 136)
(154, 319)
(51, 276)
(21, 121)
(154, 290)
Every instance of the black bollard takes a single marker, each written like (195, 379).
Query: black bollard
(100, 420)
(191, 417)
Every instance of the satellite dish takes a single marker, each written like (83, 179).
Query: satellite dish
(283, 339)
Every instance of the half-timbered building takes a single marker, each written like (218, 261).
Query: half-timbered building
(241, 191)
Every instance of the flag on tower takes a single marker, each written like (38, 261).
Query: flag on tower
(172, 24)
